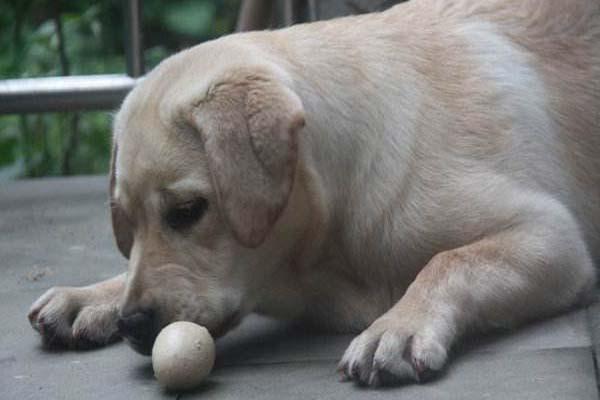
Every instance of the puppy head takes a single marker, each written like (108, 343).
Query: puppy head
(200, 177)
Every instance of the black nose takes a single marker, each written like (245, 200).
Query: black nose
(139, 328)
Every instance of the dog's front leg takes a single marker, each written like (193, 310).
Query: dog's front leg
(79, 317)
(526, 271)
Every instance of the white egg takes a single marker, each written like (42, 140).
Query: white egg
(183, 355)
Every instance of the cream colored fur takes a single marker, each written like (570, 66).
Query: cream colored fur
(416, 174)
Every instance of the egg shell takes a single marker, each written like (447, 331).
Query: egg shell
(183, 355)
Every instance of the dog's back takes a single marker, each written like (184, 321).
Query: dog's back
(560, 42)
(564, 38)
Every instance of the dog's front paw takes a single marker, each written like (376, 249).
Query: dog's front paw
(75, 318)
(391, 352)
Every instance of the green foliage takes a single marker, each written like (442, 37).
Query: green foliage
(93, 32)
(190, 18)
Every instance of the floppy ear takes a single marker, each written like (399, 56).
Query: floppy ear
(249, 124)
(120, 223)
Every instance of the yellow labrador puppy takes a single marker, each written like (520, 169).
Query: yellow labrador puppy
(414, 174)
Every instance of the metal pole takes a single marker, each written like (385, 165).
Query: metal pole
(64, 93)
(288, 12)
(133, 40)
(254, 15)
(312, 10)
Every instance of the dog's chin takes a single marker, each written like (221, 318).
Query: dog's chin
(230, 322)
(144, 347)
(141, 347)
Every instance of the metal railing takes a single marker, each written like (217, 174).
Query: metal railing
(63, 93)
(101, 92)
(85, 92)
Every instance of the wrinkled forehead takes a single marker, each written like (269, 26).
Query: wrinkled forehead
(153, 158)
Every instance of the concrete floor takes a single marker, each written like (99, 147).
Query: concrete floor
(57, 232)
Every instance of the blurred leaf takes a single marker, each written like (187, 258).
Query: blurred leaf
(8, 151)
(154, 55)
(36, 145)
(191, 17)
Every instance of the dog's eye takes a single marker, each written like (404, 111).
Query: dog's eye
(185, 215)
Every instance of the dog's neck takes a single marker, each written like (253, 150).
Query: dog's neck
(337, 142)
(340, 153)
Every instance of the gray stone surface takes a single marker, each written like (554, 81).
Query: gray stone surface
(56, 231)
(593, 314)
